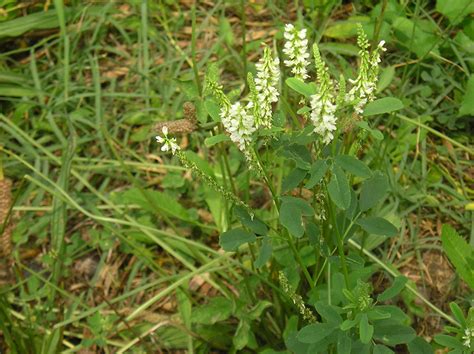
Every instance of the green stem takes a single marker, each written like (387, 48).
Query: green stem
(193, 50)
(299, 260)
(224, 182)
(287, 235)
(378, 24)
(226, 163)
(244, 34)
(340, 245)
(267, 180)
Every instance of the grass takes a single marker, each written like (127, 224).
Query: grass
(80, 97)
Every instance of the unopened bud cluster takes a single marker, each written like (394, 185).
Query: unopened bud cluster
(296, 298)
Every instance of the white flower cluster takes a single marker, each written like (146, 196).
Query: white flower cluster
(323, 116)
(363, 89)
(467, 337)
(323, 107)
(239, 124)
(168, 143)
(296, 48)
(266, 83)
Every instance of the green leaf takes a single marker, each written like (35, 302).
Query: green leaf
(372, 191)
(242, 335)
(255, 224)
(35, 21)
(317, 172)
(293, 179)
(17, 91)
(344, 343)
(339, 189)
(301, 87)
(460, 253)
(303, 110)
(348, 324)
(256, 312)
(314, 234)
(339, 48)
(458, 314)
(382, 349)
(353, 165)
(151, 200)
(366, 330)
(467, 105)
(377, 226)
(419, 346)
(386, 77)
(315, 333)
(216, 139)
(377, 314)
(299, 154)
(383, 105)
(189, 88)
(449, 342)
(201, 111)
(141, 134)
(420, 36)
(397, 286)
(345, 29)
(202, 164)
(328, 313)
(291, 213)
(455, 11)
(265, 254)
(376, 134)
(225, 31)
(231, 240)
(216, 310)
(393, 334)
(184, 306)
(213, 110)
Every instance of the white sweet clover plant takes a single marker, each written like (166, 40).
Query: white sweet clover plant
(328, 107)
(243, 120)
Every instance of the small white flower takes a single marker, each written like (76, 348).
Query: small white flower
(381, 45)
(266, 82)
(323, 117)
(168, 143)
(239, 124)
(296, 48)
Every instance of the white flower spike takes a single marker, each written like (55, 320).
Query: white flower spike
(296, 48)
(323, 117)
(239, 124)
(266, 83)
(323, 107)
(363, 89)
(168, 143)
